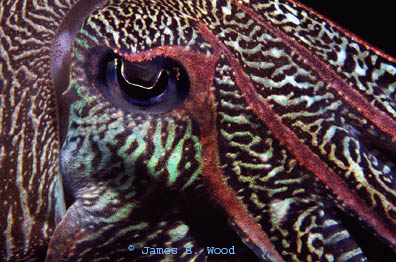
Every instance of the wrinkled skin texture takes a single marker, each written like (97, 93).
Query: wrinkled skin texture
(275, 135)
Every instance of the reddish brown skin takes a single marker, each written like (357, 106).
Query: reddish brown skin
(201, 101)
(302, 152)
(351, 96)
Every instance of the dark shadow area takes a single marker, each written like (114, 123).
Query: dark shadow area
(373, 248)
(373, 22)
(207, 222)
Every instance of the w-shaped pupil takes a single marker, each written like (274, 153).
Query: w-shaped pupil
(142, 80)
(150, 87)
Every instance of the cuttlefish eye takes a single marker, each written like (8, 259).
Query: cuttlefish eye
(154, 86)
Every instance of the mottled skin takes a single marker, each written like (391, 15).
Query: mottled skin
(31, 197)
(288, 126)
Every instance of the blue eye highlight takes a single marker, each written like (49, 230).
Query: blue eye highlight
(153, 87)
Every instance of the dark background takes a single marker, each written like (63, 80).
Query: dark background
(374, 21)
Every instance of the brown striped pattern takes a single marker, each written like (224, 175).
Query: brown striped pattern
(289, 126)
(31, 197)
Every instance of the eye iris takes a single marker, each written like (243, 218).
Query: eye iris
(156, 86)
(142, 81)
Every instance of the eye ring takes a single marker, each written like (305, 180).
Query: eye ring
(154, 86)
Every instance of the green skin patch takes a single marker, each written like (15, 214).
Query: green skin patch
(118, 161)
(269, 133)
